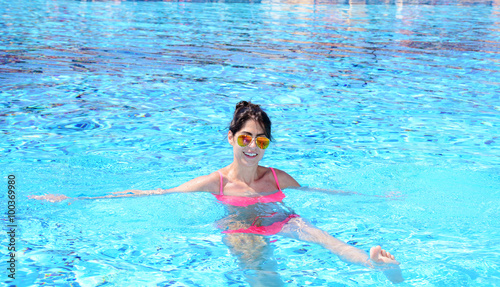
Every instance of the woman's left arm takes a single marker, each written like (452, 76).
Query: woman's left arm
(287, 181)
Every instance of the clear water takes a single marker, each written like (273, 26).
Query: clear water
(398, 101)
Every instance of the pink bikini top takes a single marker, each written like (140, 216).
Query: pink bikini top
(246, 201)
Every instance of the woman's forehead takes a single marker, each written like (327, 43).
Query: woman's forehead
(252, 127)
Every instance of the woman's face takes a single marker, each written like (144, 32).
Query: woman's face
(251, 154)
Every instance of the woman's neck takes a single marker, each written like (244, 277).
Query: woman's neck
(246, 174)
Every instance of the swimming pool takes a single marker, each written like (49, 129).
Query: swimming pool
(397, 101)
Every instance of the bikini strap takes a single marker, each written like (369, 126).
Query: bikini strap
(276, 178)
(221, 190)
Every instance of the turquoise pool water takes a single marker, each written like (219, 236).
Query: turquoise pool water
(398, 101)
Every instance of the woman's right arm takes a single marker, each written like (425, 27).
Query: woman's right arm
(206, 183)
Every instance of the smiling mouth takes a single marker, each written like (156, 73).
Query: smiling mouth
(249, 154)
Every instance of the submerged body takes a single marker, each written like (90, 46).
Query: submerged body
(273, 215)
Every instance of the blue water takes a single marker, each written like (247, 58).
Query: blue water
(397, 101)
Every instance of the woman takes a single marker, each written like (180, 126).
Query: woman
(253, 195)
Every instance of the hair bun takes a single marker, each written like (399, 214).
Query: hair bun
(242, 104)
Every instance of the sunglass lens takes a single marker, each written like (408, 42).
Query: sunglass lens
(262, 142)
(244, 140)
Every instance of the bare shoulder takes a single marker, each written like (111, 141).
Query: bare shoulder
(207, 183)
(285, 179)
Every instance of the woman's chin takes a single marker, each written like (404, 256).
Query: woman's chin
(246, 161)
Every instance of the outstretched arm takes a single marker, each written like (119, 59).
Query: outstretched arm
(287, 181)
(388, 194)
(206, 183)
(126, 193)
(329, 191)
(378, 258)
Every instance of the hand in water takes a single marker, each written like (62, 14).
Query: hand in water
(49, 197)
(386, 262)
(379, 255)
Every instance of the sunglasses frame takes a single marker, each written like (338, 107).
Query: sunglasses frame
(252, 139)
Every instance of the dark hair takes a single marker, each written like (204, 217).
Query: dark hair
(247, 111)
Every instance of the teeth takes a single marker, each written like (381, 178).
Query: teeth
(250, 154)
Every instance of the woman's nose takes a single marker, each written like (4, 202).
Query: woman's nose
(253, 143)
